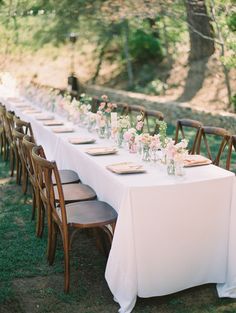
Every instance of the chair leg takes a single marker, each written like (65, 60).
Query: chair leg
(34, 204)
(4, 148)
(40, 219)
(66, 264)
(53, 245)
(12, 161)
(18, 170)
(24, 180)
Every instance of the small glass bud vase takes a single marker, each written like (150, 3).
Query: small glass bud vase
(146, 153)
(91, 125)
(120, 138)
(108, 130)
(132, 146)
(102, 132)
(170, 167)
(179, 168)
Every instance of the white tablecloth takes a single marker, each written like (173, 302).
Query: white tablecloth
(172, 233)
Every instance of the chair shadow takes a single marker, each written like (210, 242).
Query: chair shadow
(194, 80)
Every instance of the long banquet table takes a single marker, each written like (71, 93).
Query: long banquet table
(172, 233)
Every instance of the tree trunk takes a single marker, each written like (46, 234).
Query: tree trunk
(200, 30)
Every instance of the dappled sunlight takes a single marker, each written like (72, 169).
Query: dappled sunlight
(4, 181)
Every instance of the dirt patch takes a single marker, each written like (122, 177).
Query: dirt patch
(201, 83)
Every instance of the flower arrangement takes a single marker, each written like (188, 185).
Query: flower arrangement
(123, 122)
(155, 142)
(129, 137)
(162, 133)
(175, 154)
(84, 99)
(140, 123)
(106, 106)
(145, 139)
(176, 151)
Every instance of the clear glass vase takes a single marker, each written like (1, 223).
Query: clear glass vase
(146, 157)
(179, 168)
(132, 146)
(120, 139)
(102, 132)
(170, 167)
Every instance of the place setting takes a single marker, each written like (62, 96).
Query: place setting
(31, 111)
(44, 117)
(81, 140)
(126, 168)
(53, 123)
(63, 129)
(192, 160)
(101, 151)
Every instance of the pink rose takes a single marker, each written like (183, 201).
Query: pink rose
(104, 97)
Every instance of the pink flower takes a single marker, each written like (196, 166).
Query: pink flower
(104, 97)
(102, 105)
(139, 125)
(127, 136)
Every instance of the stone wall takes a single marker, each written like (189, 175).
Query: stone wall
(171, 110)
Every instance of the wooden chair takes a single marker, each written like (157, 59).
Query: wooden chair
(216, 133)
(10, 148)
(20, 128)
(3, 143)
(68, 219)
(25, 126)
(21, 172)
(73, 190)
(232, 148)
(122, 108)
(94, 104)
(151, 124)
(187, 125)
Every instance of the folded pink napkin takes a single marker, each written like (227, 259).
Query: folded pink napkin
(53, 123)
(101, 150)
(126, 168)
(195, 160)
(81, 140)
(62, 129)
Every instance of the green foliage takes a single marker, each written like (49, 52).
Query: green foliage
(233, 101)
(144, 46)
(154, 87)
(231, 21)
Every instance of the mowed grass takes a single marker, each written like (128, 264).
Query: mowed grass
(29, 284)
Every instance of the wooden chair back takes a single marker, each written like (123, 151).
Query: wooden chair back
(9, 125)
(216, 133)
(231, 157)
(44, 172)
(28, 143)
(2, 131)
(188, 125)
(25, 126)
(95, 104)
(17, 136)
(152, 119)
(122, 108)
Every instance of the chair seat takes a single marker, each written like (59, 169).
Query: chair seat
(76, 192)
(89, 213)
(67, 177)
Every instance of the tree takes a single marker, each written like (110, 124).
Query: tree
(200, 30)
